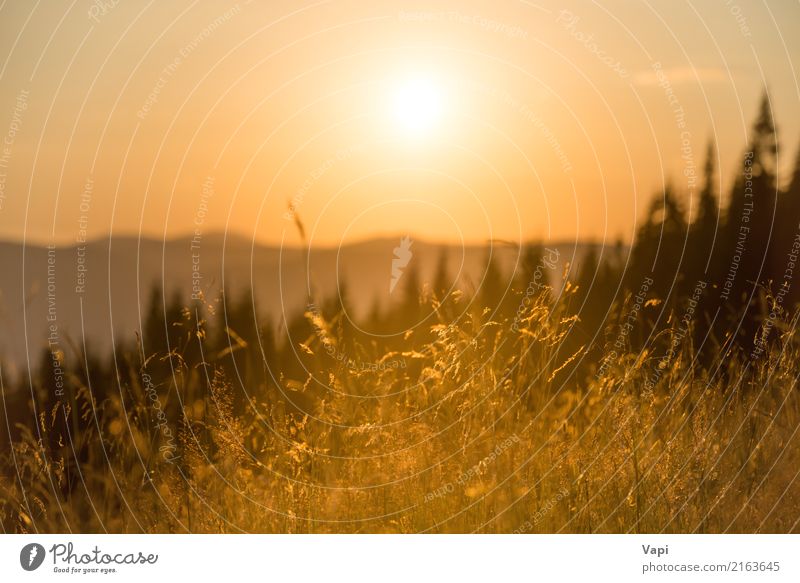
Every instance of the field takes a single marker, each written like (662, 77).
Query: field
(481, 422)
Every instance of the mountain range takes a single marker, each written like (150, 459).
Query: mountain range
(98, 293)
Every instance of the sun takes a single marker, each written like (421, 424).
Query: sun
(417, 106)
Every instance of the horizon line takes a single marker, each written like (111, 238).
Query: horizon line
(499, 242)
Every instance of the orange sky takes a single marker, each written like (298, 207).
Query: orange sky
(554, 120)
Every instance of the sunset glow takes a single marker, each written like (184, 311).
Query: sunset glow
(519, 121)
(348, 267)
(417, 106)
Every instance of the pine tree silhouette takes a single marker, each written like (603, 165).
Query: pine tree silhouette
(705, 253)
(705, 230)
(531, 268)
(492, 289)
(154, 338)
(410, 310)
(749, 259)
(441, 278)
(659, 249)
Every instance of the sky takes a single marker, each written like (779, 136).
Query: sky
(346, 120)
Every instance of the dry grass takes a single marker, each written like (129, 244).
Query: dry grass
(481, 432)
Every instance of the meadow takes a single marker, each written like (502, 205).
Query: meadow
(487, 425)
(648, 389)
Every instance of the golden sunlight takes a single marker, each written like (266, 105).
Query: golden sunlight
(375, 267)
(417, 106)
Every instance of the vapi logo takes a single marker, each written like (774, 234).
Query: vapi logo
(31, 556)
(402, 255)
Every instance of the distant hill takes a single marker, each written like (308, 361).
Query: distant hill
(104, 293)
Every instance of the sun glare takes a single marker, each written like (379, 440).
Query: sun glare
(417, 106)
